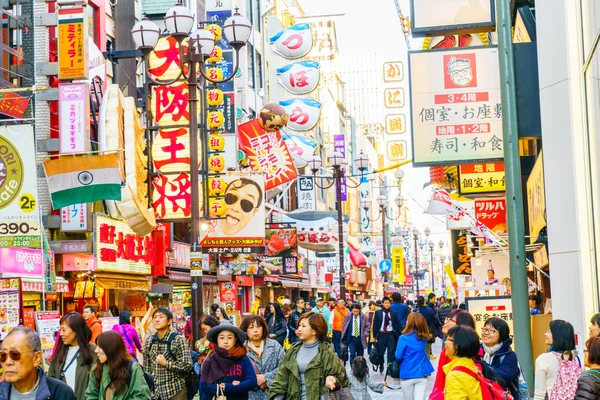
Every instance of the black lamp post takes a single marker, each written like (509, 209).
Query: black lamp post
(415, 233)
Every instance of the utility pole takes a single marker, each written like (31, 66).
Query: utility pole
(514, 192)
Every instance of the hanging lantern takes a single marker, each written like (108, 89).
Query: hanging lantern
(215, 119)
(216, 55)
(216, 186)
(215, 30)
(216, 163)
(214, 97)
(216, 143)
(217, 207)
(214, 74)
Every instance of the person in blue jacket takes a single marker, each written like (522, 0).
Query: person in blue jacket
(401, 309)
(496, 341)
(227, 369)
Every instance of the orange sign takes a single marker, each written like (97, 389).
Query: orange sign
(73, 62)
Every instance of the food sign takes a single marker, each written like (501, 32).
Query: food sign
(10, 305)
(293, 42)
(492, 213)
(481, 178)
(300, 77)
(304, 113)
(47, 323)
(461, 256)
(456, 106)
(307, 198)
(282, 250)
(228, 292)
(483, 308)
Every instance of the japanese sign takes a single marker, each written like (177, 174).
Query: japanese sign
(397, 150)
(364, 192)
(22, 262)
(11, 305)
(398, 265)
(282, 249)
(228, 292)
(492, 213)
(77, 262)
(19, 216)
(300, 77)
(316, 230)
(461, 260)
(301, 147)
(490, 271)
(293, 42)
(13, 105)
(242, 228)
(74, 117)
(339, 144)
(393, 71)
(324, 40)
(180, 256)
(442, 17)
(482, 308)
(267, 153)
(73, 62)
(118, 249)
(481, 178)
(218, 5)
(536, 199)
(456, 106)
(393, 97)
(305, 189)
(47, 323)
(395, 123)
(304, 113)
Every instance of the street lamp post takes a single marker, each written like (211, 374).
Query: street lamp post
(200, 44)
(441, 246)
(383, 203)
(415, 233)
(431, 246)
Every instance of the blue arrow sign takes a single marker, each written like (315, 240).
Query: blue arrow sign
(385, 266)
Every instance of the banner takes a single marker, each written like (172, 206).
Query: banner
(461, 260)
(398, 265)
(282, 249)
(73, 62)
(19, 216)
(74, 117)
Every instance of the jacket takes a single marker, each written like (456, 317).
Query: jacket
(402, 311)
(130, 337)
(241, 371)
(588, 385)
(277, 327)
(326, 363)
(459, 385)
(337, 318)
(440, 377)
(413, 358)
(267, 365)
(49, 389)
(506, 364)
(325, 313)
(347, 330)
(443, 312)
(81, 374)
(378, 321)
(293, 325)
(360, 390)
(96, 326)
(430, 317)
(137, 388)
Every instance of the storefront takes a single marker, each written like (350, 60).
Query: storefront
(210, 291)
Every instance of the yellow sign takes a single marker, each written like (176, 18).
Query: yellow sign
(395, 123)
(482, 178)
(73, 61)
(393, 71)
(393, 97)
(398, 265)
(536, 199)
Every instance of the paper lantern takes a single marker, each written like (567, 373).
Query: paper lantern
(214, 97)
(216, 186)
(216, 163)
(273, 117)
(215, 119)
(216, 55)
(217, 207)
(215, 30)
(216, 143)
(214, 74)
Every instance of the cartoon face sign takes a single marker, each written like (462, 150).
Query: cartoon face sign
(293, 42)
(460, 71)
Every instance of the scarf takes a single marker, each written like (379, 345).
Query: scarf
(258, 350)
(490, 352)
(387, 319)
(220, 362)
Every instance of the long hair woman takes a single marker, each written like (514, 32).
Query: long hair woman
(277, 324)
(221, 315)
(129, 334)
(115, 376)
(74, 357)
(411, 353)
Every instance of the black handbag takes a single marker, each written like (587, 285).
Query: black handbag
(375, 357)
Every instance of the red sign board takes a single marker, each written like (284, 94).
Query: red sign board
(495, 308)
(228, 292)
(492, 213)
(409, 280)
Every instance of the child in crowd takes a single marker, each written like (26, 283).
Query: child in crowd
(360, 382)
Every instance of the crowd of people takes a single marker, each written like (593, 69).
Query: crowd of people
(295, 354)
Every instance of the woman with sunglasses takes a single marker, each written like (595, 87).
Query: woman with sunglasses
(496, 341)
(75, 356)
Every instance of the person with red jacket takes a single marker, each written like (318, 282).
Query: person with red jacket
(89, 313)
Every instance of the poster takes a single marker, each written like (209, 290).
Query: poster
(73, 58)
(482, 308)
(29, 317)
(109, 322)
(228, 292)
(490, 271)
(10, 305)
(492, 213)
(282, 250)
(47, 323)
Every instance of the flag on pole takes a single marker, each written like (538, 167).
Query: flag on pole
(83, 179)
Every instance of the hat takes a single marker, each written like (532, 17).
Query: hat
(225, 326)
(318, 299)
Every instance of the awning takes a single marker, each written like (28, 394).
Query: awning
(325, 290)
(288, 283)
(302, 285)
(37, 284)
(123, 281)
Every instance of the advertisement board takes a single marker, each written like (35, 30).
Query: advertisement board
(228, 292)
(481, 178)
(282, 249)
(536, 199)
(456, 105)
(461, 260)
(490, 271)
(77, 262)
(492, 213)
(73, 61)
(443, 17)
(398, 265)
(11, 303)
(74, 117)
(21, 262)
(47, 323)
(76, 218)
(482, 308)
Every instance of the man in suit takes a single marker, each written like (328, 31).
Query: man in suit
(386, 330)
(355, 332)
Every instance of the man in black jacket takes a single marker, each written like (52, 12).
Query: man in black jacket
(432, 322)
(294, 318)
(21, 357)
(386, 330)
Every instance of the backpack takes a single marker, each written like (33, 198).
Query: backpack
(147, 377)
(489, 390)
(519, 385)
(566, 379)
(192, 379)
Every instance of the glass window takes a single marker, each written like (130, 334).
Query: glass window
(591, 23)
(251, 67)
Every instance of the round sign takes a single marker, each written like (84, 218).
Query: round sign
(12, 174)
(385, 266)
(238, 73)
(194, 286)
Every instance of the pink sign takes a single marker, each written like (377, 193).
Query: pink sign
(22, 261)
(74, 117)
(78, 262)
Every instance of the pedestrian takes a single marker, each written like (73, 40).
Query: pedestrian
(372, 309)
(268, 309)
(415, 366)
(331, 303)
(221, 315)
(21, 358)
(203, 346)
(455, 303)
(213, 309)
(116, 376)
(309, 366)
(277, 324)
(264, 353)
(444, 310)
(556, 371)
(167, 357)
(433, 323)
(496, 342)
(294, 318)
(588, 385)
(455, 318)
(322, 309)
(462, 347)
(338, 315)
(386, 330)
(349, 304)
(360, 381)
(129, 334)
(431, 302)
(401, 309)
(441, 300)
(188, 331)
(594, 330)
(534, 304)
(227, 371)
(89, 313)
(355, 332)
(75, 354)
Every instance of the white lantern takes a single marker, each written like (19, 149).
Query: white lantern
(365, 204)
(237, 30)
(382, 201)
(362, 161)
(427, 231)
(315, 163)
(399, 201)
(204, 41)
(335, 159)
(415, 231)
(145, 35)
(179, 20)
(399, 174)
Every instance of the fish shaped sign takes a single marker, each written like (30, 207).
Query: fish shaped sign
(300, 77)
(304, 113)
(293, 42)
(301, 148)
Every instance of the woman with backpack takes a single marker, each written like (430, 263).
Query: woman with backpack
(129, 334)
(588, 385)
(278, 329)
(462, 346)
(116, 376)
(557, 371)
(496, 341)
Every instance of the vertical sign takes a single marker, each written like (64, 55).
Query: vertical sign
(398, 265)
(461, 257)
(73, 62)
(339, 144)
(536, 199)
(365, 217)
(74, 117)
(307, 198)
(75, 218)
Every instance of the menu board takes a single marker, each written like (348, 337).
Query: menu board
(10, 305)
(47, 323)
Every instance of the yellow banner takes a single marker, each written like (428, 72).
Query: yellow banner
(482, 178)
(73, 61)
(398, 265)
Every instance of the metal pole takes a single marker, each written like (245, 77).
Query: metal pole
(514, 193)
(431, 265)
(383, 212)
(338, 189)
(416, 264)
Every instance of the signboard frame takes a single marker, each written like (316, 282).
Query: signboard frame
(450, 29)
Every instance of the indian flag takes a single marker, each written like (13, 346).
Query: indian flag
(83, 179)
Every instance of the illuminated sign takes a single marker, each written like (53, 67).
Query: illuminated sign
(293, 42)
(481, 178)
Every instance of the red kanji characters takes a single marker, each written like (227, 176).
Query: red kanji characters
(173, 147)
(171, 100)
(170, 54)
(174, 195)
